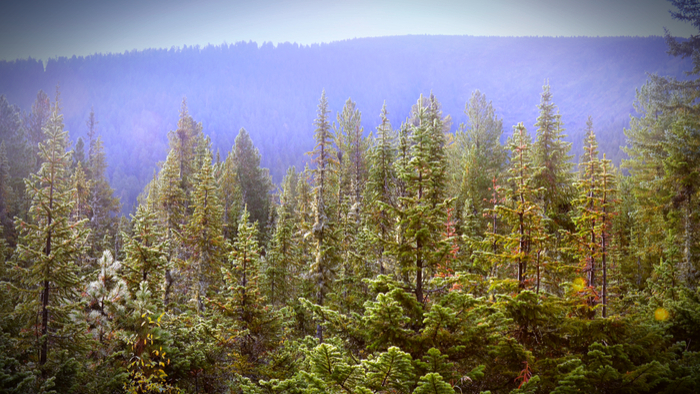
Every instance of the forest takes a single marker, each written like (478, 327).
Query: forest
(409, 258)
(272, 91)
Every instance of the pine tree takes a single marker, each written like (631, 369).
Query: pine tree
(665, 164)
(106, 298)
(50, 243)
(231, 195)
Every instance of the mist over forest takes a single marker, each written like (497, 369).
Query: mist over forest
(272, 91)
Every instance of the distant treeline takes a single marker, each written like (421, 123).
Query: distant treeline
(272, 91)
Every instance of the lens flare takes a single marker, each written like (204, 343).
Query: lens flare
(661, 314)
(579, 284)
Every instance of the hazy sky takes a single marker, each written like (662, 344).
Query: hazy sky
(50, 28)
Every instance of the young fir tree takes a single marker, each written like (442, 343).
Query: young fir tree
(171, 203)
(283, 258)
(324, 266)
(550, 154)
(481, 160)
(254, 182)
(204, 235)
(588, 203)
(145, 252)
(352, 151)
(380, 190)
(242, 299)
(421, 209)
(183, 146)
(523, 244)
(49, 244)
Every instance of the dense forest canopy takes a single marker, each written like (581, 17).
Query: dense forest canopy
(271, 90)
(413, 250)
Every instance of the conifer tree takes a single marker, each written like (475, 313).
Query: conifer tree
(204, 234)
(665, 164)
(49, 245)
(550, 154)
(145, 252)
(380, 190)
(352, 148)
(183, 145)
(521, 211)
(324, 266)
(106, 298)
(171, 202)
(421, 209)
(254, 182)
(242, 298)
(482, 158)
(283, 259)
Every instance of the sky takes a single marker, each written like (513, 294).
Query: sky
(44, 29)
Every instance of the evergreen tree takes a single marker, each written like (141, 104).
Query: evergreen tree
(145, 252)
(521, 211)
(254, 182)
(204, 234)
(550, 154)
(49, 245)
(283, 258)
(183, 145)
(324, 266)
(380, 190)
(481, 159)
(106, 299)
(421, 210)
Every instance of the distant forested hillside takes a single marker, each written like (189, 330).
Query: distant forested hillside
(272, 91)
